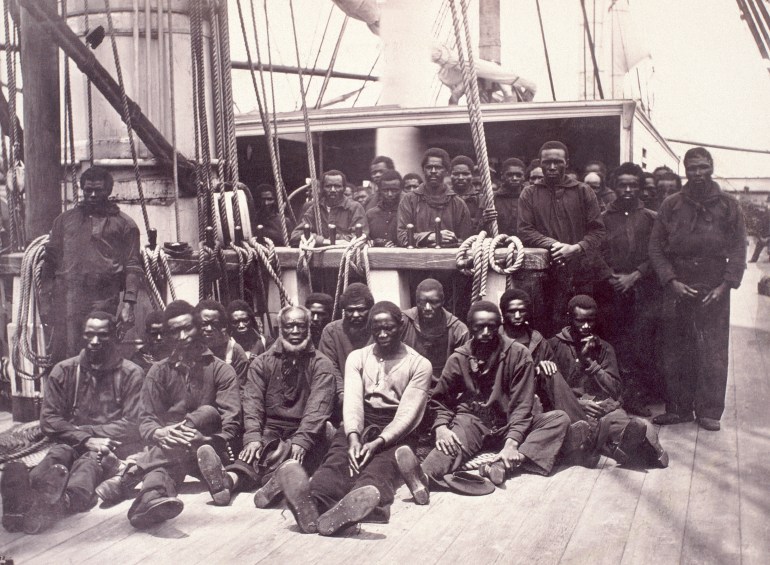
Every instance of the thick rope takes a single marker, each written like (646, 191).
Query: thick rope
(470, 80)
(267, 261)
(227, 96)
(216, 94)
(274, 164)
(476, 255)
(158, 274)
(306, 120)
(89, 95)
(172, 109)
(127, 117)
(16, 223)
(22, 342)
(69, 135)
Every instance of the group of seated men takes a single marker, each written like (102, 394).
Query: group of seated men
(331, 416)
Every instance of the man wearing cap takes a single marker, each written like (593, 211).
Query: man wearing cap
(507, 198)
(341, 337)
(334, 208)
(188, 399)
(484, 399)
(386, 391)
(287, 399)
(434, 200)
(244, 329)
(698, 250)
(90, 412)
(430, 329)
(321, 307)
(563, 216)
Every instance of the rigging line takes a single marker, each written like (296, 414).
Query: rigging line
(376, 60)
(320, 48)
(332, 62)
(265, 123)
(89, 95)
(69, 136)
(308, 133)
(592, 48)
(277, 144)
(758, 21)
(172, 110)
(216, 94)
(12, 188)
(727, 147)
(545, 50)
(127, 117)
(227, 74)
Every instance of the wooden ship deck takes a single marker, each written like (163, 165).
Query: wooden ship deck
(709, 506)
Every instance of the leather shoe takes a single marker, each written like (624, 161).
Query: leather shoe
(671, 418)
(709, 424)
(117, 488)
(268, 493)
(354, 507)
(295, 485)
(219, 483)
(47, 501)
(495, 472)
(143, 515)
(414, 477)
(630, 440)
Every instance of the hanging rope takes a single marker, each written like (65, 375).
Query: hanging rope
(15, 214)
(470, 80)
(274, 164)
(89, 96)
(23, 345)
(476, 256)
(306, 120)
(227, 97)
(266, 260)
(172, 109)
(69, 135)
(158, 274)
(127, 116)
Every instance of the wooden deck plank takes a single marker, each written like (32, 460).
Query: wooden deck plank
(657, 529)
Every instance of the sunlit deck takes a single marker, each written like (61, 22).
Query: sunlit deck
(712, 505)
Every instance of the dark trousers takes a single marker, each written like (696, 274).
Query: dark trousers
(255, 475)
(332, 481)
(761, 244)
(696, 341)
(164, 468)
(541, 445)
(85, 473)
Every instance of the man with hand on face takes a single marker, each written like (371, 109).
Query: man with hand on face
(341, 337)
(507, 198)
(154, 346)
(321, 306)
(212, 320)
(383, 217)
(90, 411)
(698, 250)
(243, 329)
(189, 399)
(91, 257)
(590, 368)
(563, 216)
(631, 290)
(386, 390)
(287, 399)
(430, 329)
(434, 200)
(484, 400)
(336, 209)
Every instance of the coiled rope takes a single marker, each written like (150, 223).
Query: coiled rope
(22, 343)
(476, 255)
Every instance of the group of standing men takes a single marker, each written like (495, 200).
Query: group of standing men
(334, 414)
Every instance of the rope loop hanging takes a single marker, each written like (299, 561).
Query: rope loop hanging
(471, 83)
(476, 255)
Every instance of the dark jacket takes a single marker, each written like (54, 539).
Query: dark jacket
(274, 393)
(271, 228)
(415, 208)
(234, 355)
(435, 349)
(568, 213)
(336, 344)
(345, 217)
(95, 244)
(503, 396)
(601, 379)
(170, 392)
(699, 241)
(628, 238)
(507, 206)
(107, 404)
(382, 225)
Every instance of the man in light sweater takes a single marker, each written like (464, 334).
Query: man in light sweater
(386, 391)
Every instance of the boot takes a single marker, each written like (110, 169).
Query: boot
(295, 486)
(16, 493)
(47, 500)
(495, 472)
(414, 477)
(630, 441)
(119, 487)
(354, 507)
(219, 482)
(268, 493)
(144, 513)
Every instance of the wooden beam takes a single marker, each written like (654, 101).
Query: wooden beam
(59, 32)
(42, 145)
(288, 69)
